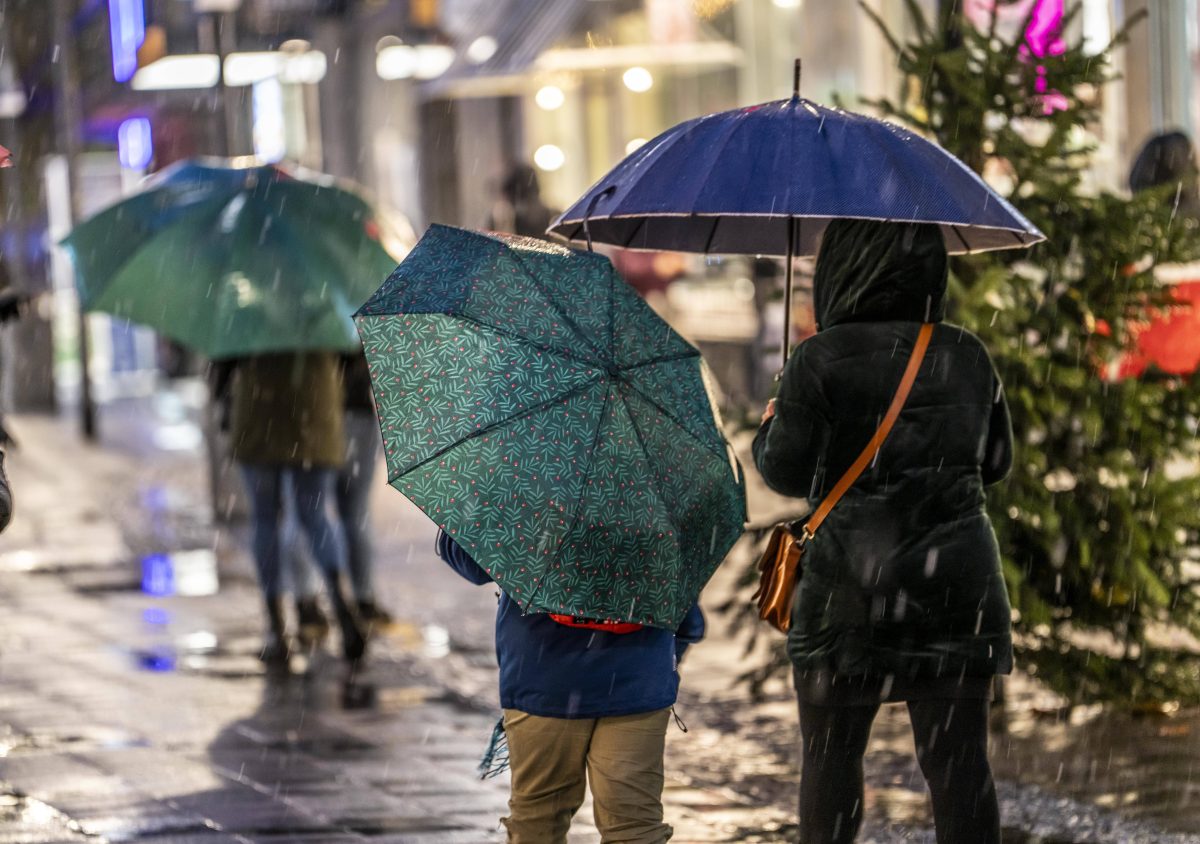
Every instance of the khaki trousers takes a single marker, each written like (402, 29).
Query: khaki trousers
(552, 759)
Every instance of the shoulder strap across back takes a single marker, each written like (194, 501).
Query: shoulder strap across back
(881, 433)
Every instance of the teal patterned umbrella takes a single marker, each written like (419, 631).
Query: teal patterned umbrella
(545, 417)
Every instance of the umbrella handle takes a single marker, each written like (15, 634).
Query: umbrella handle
(587, 232)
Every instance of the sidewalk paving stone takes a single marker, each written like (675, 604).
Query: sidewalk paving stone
(132, 717)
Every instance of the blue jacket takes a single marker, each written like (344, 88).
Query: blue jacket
(555, 671)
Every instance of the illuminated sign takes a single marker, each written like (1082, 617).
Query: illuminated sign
(270, 121)
(135, 143)
(127, 26)
(1041, 39)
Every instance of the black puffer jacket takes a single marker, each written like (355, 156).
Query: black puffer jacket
(903, 579)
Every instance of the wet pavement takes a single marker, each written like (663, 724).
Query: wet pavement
(132, 708)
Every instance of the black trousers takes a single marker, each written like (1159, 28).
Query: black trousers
(951, 740)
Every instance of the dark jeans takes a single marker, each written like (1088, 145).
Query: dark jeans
(352, 491)
(951, 740)
(313, 491)
(354, 498)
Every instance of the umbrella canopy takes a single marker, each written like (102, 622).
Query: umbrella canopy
(546, 418)
(733, 183)
(235, 261)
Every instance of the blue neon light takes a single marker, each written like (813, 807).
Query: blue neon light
(127, 26)
(156, 616)
(135, 143)
(159, 658)
(158, 575)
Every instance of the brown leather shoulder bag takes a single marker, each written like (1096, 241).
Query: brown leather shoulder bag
(779, 567)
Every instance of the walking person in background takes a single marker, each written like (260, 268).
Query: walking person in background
(1168, 158)
(288, 421)
(901, 596)
(520, 209)
(312, 626)
(353, 494)
(584, 702)
(363, 444)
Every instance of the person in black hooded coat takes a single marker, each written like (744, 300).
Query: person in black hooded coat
(901, 596)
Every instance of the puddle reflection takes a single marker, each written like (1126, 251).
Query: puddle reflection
(436, 641)
(184, 573)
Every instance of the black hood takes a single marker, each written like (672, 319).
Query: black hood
(869, 271)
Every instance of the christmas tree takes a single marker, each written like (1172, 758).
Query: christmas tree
(1099, 519)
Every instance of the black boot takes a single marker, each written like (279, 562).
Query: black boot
(313, 625)
(275, 651)
(354, 638)
(373, 616)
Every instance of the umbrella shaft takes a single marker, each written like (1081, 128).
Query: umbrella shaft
(789, 278)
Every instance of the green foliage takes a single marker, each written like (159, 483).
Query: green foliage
(1094, 527)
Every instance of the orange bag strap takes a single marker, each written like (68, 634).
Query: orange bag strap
(881, 433)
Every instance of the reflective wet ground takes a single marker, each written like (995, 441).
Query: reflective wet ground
(132, 707)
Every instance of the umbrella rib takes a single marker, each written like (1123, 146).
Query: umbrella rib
(712, 234)
(664, 359)
(523, 339)
(662, 493)
(662, 496)
(612, 307)
(961, 239)
(540, 406)
(1019, 235)
(578, 504)
(633, 233)
(104, 218)
(579, 332)
(642, 395)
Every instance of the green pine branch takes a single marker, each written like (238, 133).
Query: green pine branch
(1095, 530)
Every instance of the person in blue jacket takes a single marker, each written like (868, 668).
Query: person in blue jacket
(582, 704)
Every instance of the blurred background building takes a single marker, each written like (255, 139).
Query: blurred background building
(431, 104)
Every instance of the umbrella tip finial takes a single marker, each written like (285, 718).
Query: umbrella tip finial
(796, 80)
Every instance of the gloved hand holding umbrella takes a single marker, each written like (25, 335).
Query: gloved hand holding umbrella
(767, 179)
(5, 157)
(545, 417)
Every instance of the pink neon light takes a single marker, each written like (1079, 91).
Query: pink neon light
(1043, 37)
(1044, 33)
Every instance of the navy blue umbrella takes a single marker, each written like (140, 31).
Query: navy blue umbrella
(767, 179)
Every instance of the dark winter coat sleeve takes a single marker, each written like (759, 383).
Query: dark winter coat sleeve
(460, 560)
(790, 447)
(5, 496)
(998, 450)
(690, 631)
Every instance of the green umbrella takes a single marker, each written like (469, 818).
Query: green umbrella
(545, 417)
(234, 261)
